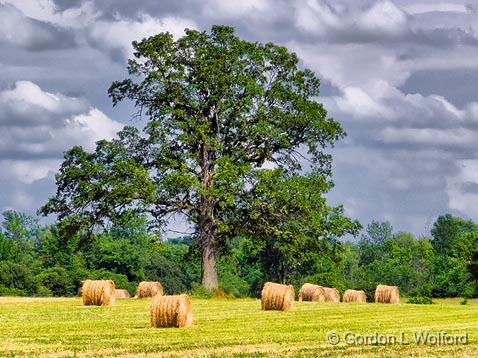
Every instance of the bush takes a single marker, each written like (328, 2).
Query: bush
(233, 285)
(17, 276)
(420, 300)
(58, 281)
(198, 291)
(11, 291)
(229, 278)
(43, 291)
(174, 266)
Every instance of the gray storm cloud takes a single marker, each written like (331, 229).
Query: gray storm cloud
(398, 75)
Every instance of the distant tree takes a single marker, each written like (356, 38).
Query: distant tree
(466, 248)
(372, 242)
(446, 231)
(408, 263)
(22, 229)
(290, 226)
(123, 249)
(378, 232)
(219, 108)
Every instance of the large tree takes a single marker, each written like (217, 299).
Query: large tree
(218, 109)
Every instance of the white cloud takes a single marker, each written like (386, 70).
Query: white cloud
(36, 127)
(458, 199)
(235, 9)
(38, 124)
(358, 103)
(119, 34)
(20, 31)
(316, 17)
(26, 95)
(421, 8)
(384, 16)
(429, 136)
(27, 171)
(47, 11)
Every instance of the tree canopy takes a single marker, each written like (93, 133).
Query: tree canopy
(219, 111)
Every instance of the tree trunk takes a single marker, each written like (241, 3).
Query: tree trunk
(207, 226)
(209, 271)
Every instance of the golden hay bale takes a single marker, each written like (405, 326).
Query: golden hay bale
(331, 294)
(98, 292)
(171, 311)
(275, 296)
(354, 296)
(387, 294)
(149, 289)
(122, 293)
(310, 292)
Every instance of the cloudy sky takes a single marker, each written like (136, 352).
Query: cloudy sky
(400, 75)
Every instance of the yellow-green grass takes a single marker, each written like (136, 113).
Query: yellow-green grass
(62, 327)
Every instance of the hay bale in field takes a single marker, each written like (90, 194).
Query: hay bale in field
(387, 294)
(98, 292)
(331, 294)
(149, 289)
(311, 292)
(171, 311)
(279, 297)
(122, 293)
(354, 296)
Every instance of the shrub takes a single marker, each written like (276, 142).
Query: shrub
(198, 291)
(17, 276)
(43, 291)
(11, 291)
(58, 281)
(420, 300)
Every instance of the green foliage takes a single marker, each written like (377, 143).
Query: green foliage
(17, 276)
(57, 280)
(8, 249)
(43, 291)
(11, 291)
(41, 261)
(446, 232)
(420, 300)
(123, 249)
(230, 280)
(174, 266)
(199, 291)
(451, 278)
(289, 226)
(398, 259)
(218, 108)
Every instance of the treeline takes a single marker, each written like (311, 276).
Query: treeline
(46, 261)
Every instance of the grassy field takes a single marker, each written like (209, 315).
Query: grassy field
(62, 327)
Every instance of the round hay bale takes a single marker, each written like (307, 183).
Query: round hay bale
(122, 293)
(149, 289)
(98, 292)
(279, 297)
(355, 296)
(171, 311)
(387, 294)
(311, 292)
(331, 294)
